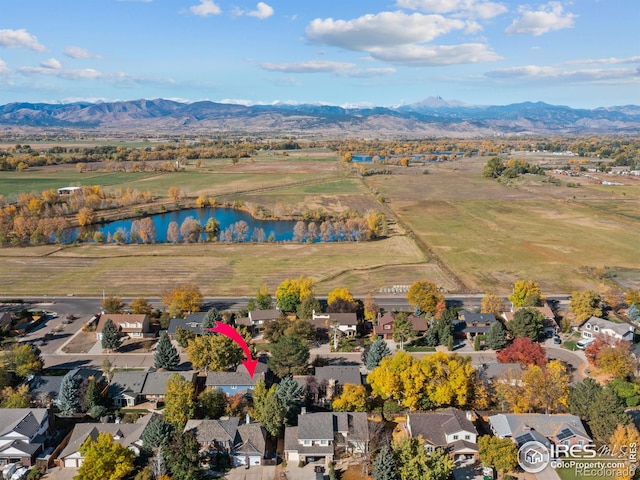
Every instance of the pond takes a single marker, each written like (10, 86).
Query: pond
(235, 225)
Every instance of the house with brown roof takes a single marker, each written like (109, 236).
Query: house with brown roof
(549, 323)
(131, 325)
(559, 429)
(324, 436)
(385, 323)
(128, 435)
(345, 323)
(449, 430)
(245, 444)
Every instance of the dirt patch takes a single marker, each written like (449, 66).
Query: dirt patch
(81, 343)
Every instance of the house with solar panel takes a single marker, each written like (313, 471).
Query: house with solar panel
(562, 429)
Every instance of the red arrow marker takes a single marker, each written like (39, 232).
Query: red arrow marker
(228, 331)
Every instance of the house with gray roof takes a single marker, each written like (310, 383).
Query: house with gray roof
(192, 323)
(328, 382)
(128, 435)
(127, 389)
(449, 430)
(44, 388)
(23, 432)
(5, 320)
(596, 326)
(257, 319)
(472, 324)
(324, 436)
(238, 382)
(245, 444)
(559, 429)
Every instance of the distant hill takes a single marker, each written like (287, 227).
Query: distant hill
(431, 116)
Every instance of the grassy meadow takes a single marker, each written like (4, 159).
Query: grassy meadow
(485, 233)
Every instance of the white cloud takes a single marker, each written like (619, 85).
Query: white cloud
(69, 74)
(4, 69)
(20, 39)
(78, 52)
(548, 18)
(605, 61)
(474, 8)
(205, 8)
(368, 72)
(312, 66)
(262, 11)
(435, 55)
(549, 73)
(385, 29)
(51, 63)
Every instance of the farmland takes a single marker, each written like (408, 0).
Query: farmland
(447, 222)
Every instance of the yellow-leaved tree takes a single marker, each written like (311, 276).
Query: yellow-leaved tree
(622, 440)
(352, 399)
(104, 459)
(178, 400)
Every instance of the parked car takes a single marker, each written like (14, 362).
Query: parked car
(584, 343)
(557, 340)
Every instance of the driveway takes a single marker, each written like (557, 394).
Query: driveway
(253, 473)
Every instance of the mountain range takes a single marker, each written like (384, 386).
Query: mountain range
(429, 117)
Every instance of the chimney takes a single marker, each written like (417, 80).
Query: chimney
(248, 419)
(303, 410)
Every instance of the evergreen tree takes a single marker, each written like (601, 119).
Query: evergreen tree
(377, 351)
(496, 336)
(527, 322)
(92, 397)
(183, 457)
(68, 401)
(384, 466)
(212, 403)
(111, 339)
(166, 355)
(158, 434)
(289, 355)
(632, 313)
(291, 395)
(273, 414)
(605, 414)
(210, 319)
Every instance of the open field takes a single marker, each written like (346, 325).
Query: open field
(484, 233)
(218, 269)
(491, 235)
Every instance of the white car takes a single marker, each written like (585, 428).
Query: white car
(584, 343)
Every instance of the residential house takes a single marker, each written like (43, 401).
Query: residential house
(128, 435)
(561, 429)
(385, 323)
(549, 322)
(245, 444)
(192, 323)
(471, 324)
(449, 430)
(131, 325)
(257, 320)
(326, 435)
(45, 388)
(238, 382)
(345, 323)
(328, 382)
(23, 433)
(500, 372)
(595, 326)
(130, 388)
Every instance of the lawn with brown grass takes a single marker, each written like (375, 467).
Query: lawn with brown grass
(218, 269)
(490, 234)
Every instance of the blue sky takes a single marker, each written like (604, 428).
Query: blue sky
(581, 53)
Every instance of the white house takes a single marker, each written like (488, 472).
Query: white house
(599, 326)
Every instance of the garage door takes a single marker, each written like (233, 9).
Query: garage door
(72, 462)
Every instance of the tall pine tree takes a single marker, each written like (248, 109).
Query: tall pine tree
(376, 353)
(384, 466)
(166, 355)
(291, 395)
(496, 336)
(210, 319)
(111, 339)
(68, 401)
